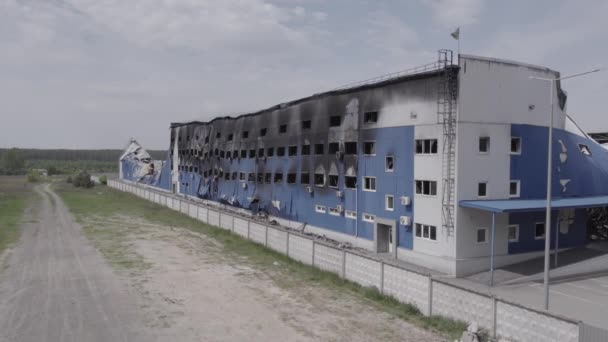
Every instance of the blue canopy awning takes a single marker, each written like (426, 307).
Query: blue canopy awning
(526, 205)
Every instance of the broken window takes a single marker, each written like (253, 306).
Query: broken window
(584, 149)
(233, 176)
(230, 137)
(222, 154)
(245, 134)
(484, 144)
(305, 150)
(260, 178)
(319, 179)
(251, 177)
(306, 124)
(539, 230)
(218, 135)
(350, 147)
(227, 176)
(425, 187)
(280, 151)
(263, 132)
(217, 152)
(243, 153)
(515, 145)
(333, 147)
(235, 154)
(319, 149)
(291, 178)
(426, 146)
(260, 152)
(389, 164)
(333, 181)
(282, 129)
(242, 176)
(335, 121)
(206, 139)
(304, 178)
(293, 150)
(350, 182)
(369, 148)
(270, 152)
(278, 178)
(482, 189)
(267, 177)
(252, 153)
(370, 117)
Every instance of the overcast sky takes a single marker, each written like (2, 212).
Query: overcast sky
(93, 73)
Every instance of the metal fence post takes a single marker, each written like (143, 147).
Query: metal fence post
(266, 237)
(493, 316)
(430, 308)
(247, 226)
(343, 264)
(382, 276)
(287, 247)
(313, 252)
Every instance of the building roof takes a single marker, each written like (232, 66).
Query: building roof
(527, 205)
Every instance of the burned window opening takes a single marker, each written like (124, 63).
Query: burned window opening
(218, 135)
(426, 146)
(252, 153)
(370, 117)
(280, 151)
(233, 176)
(306, 124)
(243, 153)
(335, 121)
(261, 153)
(245, 134)
(319, 149)
(251, 177)
(291, 178)
(305, 150)
(270, 152)
(305, 178)
(292, 150)
(350, 147)
(333, 181)
(282, 129)
(389, 163)
(242, 176)
(369, 148)
(267, 178)
(333, 147)
(260, 178)
(319, 179)
(278, 178)
(230, 137)
(263, 132)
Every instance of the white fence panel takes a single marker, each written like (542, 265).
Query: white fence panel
(214, 218)
(520, 324)
(328, 258)
(450, 301)
(300, 248)
(363, 271)
(240, 227)
(193, 210)
(257, 232)
(407, 287)
(277, 240)
(202, 214)
(226, 221)
(184, 207)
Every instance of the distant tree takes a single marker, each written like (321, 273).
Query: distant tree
(69, 179)
(33, 176)
(103, 180)
(52, 170)
(83, 180)
(13, 162)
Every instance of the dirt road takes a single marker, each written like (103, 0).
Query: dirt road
(57, 286)
(153, 282)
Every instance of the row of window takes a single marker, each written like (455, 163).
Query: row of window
(349, 214)
(334, 121)
(512, 233)
(514, 188)
(484, 146)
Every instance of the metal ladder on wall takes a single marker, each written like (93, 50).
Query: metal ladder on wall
(446, 115)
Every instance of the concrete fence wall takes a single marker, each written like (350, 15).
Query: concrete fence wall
(432, 296)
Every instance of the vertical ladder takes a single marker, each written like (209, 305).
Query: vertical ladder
(446, 115)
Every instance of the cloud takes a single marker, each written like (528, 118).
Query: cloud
(453, 13)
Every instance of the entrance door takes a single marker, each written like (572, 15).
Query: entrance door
(385, 236)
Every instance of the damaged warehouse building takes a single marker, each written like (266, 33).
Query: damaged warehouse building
(420, 165)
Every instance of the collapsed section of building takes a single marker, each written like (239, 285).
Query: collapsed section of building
(417, 165)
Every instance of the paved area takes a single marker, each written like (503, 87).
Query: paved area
(57, 286)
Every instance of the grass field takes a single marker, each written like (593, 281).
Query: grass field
(14, 193)
(87, 204)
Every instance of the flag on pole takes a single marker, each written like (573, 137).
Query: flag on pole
(456, 34)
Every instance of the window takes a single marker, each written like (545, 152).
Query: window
(267, 178)
(368, 218)
(425, 231)
(260, 178)
(235, 154)
(350, 147)
(484, 144)
(305, 150)
(292, 150)
(369, 148)
(242, 176)
(251, 177)
(319, 179)
(335, 121)
(482, 189)
(291, 178)
(278, 178)
(333, 147)
(370, 117)
(222, 154)
(350, 182)
(369, 183)
(245, 134)
(306, 124)
(261, 152)
(218, 135)
(426, 146)
(243, 153)
(282, 129)
(230, 137)
(270, 152)
(539, 231)
(424, 187)
(389, 202)
(319, 149)
(389, 165)
(350, 214)
(304, 178)
(513, 233)
(514, 188)
(233, 176)
(334, 211)
(206, 139)
(320, 209)
(252, 153)
(280, 151)
(262, 132)
(226, 176)
(515, 145)
(482, 235)
(584, 149)
(333, 181)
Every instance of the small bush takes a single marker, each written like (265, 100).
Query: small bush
(103, 180)
(83, 180)
(33, 177)
(69, 179)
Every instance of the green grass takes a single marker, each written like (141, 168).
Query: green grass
(13, 200)
(106, 202)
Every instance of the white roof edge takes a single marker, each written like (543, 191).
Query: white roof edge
(508, 61)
